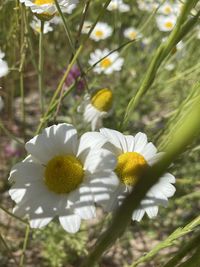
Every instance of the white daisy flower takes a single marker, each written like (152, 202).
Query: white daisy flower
(36, 26)
(107, 65)
(147, 5)
(3, 65)
(166, 23)
(101, 32)
(132, 33)
(169, 8)
(118, 5)
(63, 177)
(134, 154)
(46, 9)
(1, 103)
(97, 107)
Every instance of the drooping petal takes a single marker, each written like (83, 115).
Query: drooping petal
(71, 223)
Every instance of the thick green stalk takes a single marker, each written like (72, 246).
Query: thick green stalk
(180, 140)
(40, 68)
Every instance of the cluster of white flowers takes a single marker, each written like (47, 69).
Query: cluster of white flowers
(118, 5)
(3, 65)
(167, 17)
(65, 176)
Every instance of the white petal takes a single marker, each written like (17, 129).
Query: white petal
(138, 215)
(130, 142)
(168, 177)
(55, 140)
(149, 151)
(155, 158)
(115, 138)
(140, 142)
(152, 211)
(85, 212)
(71, 223)
(39, 223)
(99, 160)
(90, 141)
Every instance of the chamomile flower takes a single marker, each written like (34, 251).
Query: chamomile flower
(3, 65)
(166, 23)
(134, 154)
(132, 33)
(101, 31)
(86, 27)
(118, 5)
(147, 5)
(97, 107)
(46, 9)
(62, 177)
(36, 26)
(108, 63)
(167, 8)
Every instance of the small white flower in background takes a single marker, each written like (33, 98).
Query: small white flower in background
(46, 9)
(166, 23)
(108, 63)
(101, 31)
(36, 26)
(86, 27)
(3, 65)
(63, 177)
(198, 32)
(169, 8)
(1, 103)
(118, 5)
(97, 107)
(132, 33)
(134, 155)
(147, 5)
(170, 66)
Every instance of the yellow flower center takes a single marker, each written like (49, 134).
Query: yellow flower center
(63, 174)
(169, 24)
(130, 167)
(133, 35)
(99, 33)
(106, 63)
(168, 10)
(43, 2)
(102, 100)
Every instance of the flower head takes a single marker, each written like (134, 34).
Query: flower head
(108, 63)
(97, 107)
(46, 9)
(166, 23)
(63, 177)
(101, 31)
(118, 5)
(134, 155)
(36, 26)
(132, 33)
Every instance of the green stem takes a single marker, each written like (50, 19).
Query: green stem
(13, 215)
(163, 51)
(184, 251)
(8, 249)
(9, 134)
(58, 89)
(21, 264)
(40, 68)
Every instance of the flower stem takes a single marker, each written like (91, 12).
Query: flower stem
(40, 68)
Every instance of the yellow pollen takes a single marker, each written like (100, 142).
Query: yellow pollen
(43, 2)
(130, 167)
(63, 174)
(106, 63)
(103, 99)
(169, 24)
(99, 33)
(133, 35)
